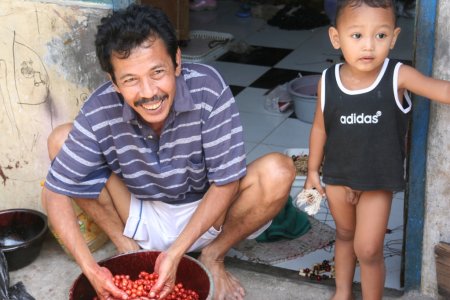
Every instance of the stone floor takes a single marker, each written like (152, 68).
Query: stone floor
(51, 276)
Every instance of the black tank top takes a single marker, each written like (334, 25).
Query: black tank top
(366, 131)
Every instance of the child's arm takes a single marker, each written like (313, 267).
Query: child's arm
(316, 144)
(419, 84)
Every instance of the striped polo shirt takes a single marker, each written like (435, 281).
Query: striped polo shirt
(201, 143)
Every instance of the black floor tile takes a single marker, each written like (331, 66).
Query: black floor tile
(275, 77)
(235, 89)
(256, 55)
(293, 115)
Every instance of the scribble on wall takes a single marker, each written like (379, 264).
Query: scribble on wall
(4, 94)
(28, 72)
(3, 176)
(48, 68)
(82, 98)
(30, 75)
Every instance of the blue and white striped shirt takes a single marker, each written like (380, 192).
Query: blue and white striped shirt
(201, 143)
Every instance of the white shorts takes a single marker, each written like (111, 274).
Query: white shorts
(156, 225)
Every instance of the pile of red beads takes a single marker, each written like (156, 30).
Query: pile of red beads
(319, 272)
(142, 286)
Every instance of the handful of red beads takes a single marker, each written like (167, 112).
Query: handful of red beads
(141, 287)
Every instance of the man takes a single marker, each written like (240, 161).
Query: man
(156, 157)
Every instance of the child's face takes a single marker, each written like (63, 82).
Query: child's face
(365, 35)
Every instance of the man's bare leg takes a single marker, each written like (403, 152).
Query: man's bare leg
(262, 194)
(109, 213)
(108, 217)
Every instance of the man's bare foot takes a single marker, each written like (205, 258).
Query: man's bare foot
(125, 245)
(226, 286)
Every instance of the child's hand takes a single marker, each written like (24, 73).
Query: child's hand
(313, 182)
(312, 194)
(311, 199)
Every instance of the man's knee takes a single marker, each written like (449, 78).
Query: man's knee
(273, 175)
(278, 172)
(57, 138)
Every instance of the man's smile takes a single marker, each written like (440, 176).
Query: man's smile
(151, 103)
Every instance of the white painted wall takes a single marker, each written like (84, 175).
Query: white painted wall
(47, 69)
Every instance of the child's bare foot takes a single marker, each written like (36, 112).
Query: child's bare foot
(226, 286)
(343, 297)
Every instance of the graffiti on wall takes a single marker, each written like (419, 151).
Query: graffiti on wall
(47, 70)
(30, 75)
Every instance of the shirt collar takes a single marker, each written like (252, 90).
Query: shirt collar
(183, 101)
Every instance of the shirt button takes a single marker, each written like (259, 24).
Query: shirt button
(150, 137)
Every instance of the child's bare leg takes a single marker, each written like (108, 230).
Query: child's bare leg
(344, 215)
(372, 214)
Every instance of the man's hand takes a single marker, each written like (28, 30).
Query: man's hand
(166, 268)
(102, 281)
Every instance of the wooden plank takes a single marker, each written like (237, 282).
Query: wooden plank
(442, 252)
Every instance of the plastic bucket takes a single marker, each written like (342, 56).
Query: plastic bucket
(303, 91)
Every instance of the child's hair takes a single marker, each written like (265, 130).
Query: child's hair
(341, 4)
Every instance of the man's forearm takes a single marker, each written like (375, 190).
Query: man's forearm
(214, 206)
(64, 223)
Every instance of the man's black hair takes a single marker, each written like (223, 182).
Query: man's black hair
(341, 4)
(131, 27)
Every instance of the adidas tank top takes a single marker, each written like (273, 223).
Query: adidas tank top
(366, 131)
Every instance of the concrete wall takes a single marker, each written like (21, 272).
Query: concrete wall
(437, 201)
(47, 69)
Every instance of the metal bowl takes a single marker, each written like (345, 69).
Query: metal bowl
(22, 233)
(190, 272)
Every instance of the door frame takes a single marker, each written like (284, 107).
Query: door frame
(426, 13)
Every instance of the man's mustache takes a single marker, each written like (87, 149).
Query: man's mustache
(146, 100)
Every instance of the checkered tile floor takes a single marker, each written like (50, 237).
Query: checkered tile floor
(275, 57)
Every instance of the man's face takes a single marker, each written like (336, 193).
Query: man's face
(146, 80)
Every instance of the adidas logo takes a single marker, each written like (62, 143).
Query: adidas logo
(360, 119)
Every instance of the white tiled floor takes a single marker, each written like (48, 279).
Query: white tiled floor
(247, 73)
(266, 131)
